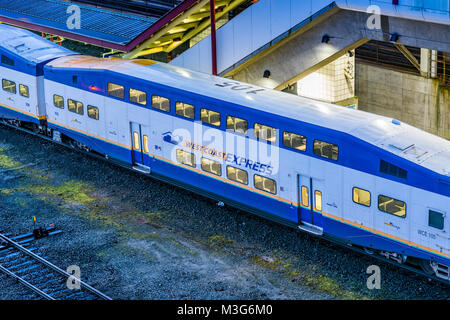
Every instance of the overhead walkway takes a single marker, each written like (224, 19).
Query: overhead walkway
(295, 38)
(134, 35)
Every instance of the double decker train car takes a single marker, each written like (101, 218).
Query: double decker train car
(353, 177)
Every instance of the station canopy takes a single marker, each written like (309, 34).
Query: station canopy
(136, 35)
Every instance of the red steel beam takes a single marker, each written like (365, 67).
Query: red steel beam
(212, 5)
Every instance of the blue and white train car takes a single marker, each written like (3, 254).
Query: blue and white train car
(358, 178)
(23, 56)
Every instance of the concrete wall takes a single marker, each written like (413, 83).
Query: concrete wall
(406, 97)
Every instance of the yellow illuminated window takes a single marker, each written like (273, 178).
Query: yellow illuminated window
(392, 206)
(137, 145)
(237, 125)
(24, 91)
(294, 141)
(305, 196)
(210, 117)
(92, 112)
(265, 132)
(211, 166)
(75, 106)
(185, 110)
(58, 101)
(318, 200)
(116, 90)
(186, 158)
(146, 150)
(137, 96)
(9, 86)
(265, 184)
(361, 196)
(161, 103)
(237, 175)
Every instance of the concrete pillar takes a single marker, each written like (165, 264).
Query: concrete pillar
(428, 63)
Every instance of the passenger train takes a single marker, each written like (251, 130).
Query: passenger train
(356, 178)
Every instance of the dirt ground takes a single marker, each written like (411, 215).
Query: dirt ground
(137, 238)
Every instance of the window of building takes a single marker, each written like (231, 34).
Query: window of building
(237, 175)
(211, 166)
(185, 110)
(294, 141)
(265, 184)
(237, 125)
(361, 196)
(265, 132)
(318, 200)
(137, 96)
(92, 112)
(436, 219)
(116, 90)
(9, 86)
(390, 169)
(58, 101)
(326, 150)
(305, 196)
(392, 206)
(210, 117)
(145, 141)
(75, 106)
(24, 91)
(186, 158)
(161, 103)
(7, 61)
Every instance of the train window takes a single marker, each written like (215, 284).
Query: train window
(58, 101)
(305, 196)
(318, 200)
(116, 90)
(326, 150)
(24, 91)
(392, 206)
(92, 112)
(186, 158)
(137, 96)
(237, 175)
(146, 149)
(210, 117)
(161, 103)
(237, 125)
(75, 79)
(7, 61)
(75, 106)
(361, 196)
(185, 110)
(294, 141)
(265, 184)
(136, 142)
(386, 167)
(265, 132)
(436, 219)
(211, 166)
(9, 86)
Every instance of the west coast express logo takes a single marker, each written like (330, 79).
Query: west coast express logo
(229, 158)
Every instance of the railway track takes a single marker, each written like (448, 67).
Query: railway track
(22, 262)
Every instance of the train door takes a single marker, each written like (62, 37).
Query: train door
(310, 191)
(140, 147)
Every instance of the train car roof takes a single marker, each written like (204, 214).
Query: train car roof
(29, 48)
(399, 138)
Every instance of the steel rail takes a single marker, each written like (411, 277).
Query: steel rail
(52, 267)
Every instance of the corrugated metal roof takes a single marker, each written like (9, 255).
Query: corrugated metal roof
(96, 23)
(30, 46)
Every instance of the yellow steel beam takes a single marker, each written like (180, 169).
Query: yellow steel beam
(135, 52)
